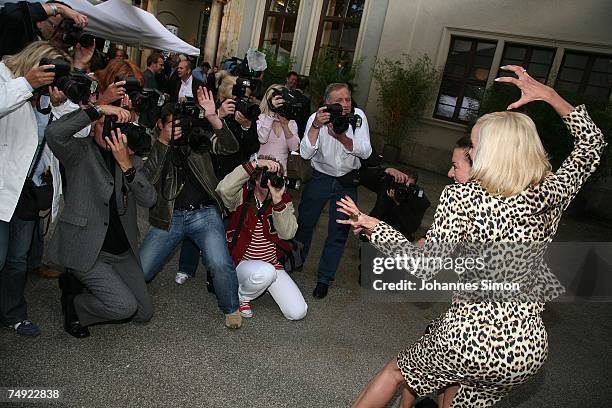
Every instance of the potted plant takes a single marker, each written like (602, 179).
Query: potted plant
(405, 87)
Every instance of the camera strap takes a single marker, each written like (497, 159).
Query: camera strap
(243, 212)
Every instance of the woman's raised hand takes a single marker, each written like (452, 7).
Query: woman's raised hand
(533, 90)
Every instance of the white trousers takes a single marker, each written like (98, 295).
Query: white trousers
(254, 277)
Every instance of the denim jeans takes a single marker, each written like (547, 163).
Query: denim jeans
(318, 191)
(15, 239)
(37, 248)
(205, 228)
(189, 258)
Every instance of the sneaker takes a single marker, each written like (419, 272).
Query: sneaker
(245, 310)
(25, 328)
(181, 278)
(233, 320)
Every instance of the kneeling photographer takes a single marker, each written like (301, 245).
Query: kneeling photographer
(180, 167)
(400, 202)
(262, 219)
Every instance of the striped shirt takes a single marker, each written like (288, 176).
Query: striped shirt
(261, 249)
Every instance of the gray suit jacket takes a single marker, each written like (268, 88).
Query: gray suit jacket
(79, 234)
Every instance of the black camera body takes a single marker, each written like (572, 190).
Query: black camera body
(402, 191)
(341, 122)
(193, 126)
(250, 110)
(76, 86)
(74, 35)
(293, 106)
(138, 139)
(146, 101)
(278, 181)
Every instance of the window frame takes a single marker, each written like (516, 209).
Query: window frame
(582, 85)
(282, 15)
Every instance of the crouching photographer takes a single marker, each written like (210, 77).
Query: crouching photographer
(400, 201)
(180, 167)
(261, 220)
(96, 237)
(21, 75)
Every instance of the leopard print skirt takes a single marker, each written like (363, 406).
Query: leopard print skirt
(486, 348)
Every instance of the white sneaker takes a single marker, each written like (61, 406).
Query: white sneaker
(181, 278)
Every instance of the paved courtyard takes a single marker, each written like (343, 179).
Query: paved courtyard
(185, 357)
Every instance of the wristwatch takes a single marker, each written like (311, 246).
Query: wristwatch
(315, 126)
(129, 174)
(93, 111)
(54, 10)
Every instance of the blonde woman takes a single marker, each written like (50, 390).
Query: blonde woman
(488, 342)
(20, 75)
(278, 135)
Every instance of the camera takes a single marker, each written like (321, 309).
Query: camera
(402, 191)
(293, 106)
(341, 122)
(250, 110)
(74, 35)
(138, 139)
(193, 126)
(278, 181)
(146, 101)
(76, 86)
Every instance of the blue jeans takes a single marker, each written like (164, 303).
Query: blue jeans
(318, 191)
(15, 239)
(37, 248)
(205, 228)
(189, 258)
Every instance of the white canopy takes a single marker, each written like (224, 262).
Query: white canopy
(118, 21)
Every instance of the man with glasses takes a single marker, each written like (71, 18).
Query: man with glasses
(24, 22)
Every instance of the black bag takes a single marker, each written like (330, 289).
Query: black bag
(34, 199)
(294, 258)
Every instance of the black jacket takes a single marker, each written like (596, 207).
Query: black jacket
(249, 144)
(17, 29)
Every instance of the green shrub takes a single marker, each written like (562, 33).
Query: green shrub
(405, 87)
(331, 66)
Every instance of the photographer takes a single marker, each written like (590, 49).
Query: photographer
(188, 207)
(245, 133)
(261, 220)
(335, 144)
(20, 77)
(97, 234)
(291, 83)
(24, 22)
(399, 201)
(278, 135)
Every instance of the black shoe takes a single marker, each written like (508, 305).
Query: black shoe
(210, 286)
(75, 329)
(320, 291)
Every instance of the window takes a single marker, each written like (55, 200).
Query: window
(536, 60)
(586, 74)
(339, 28)
(464, 79)
(204, 18)
(278, 27)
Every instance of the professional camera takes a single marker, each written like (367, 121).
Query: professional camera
(193, 126)
(146, 101)
(277, 181)
(402, 191)
(138, 139)
(76, 86)
(341, 122)
(293, 106)
(74, 35)
(250, 110)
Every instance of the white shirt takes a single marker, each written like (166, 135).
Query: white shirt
(186, 88)
(329, 156)
(18, 139)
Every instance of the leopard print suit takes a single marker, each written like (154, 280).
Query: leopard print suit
(488, 345)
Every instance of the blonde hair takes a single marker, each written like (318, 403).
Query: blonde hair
(510, 156)
(226, 84)
(21, 63)
(263, 105)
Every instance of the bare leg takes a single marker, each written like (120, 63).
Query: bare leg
(382, 387)
(449, 395)
(407, 399)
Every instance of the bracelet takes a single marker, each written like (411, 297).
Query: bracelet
(315, 126)
(54, 10)
(129, 174)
